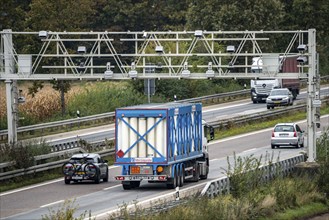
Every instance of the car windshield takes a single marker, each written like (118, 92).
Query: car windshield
(279, 92)
(284, 128)
(81, 160)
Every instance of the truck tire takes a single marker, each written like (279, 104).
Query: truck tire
(181, 178)
(135, 184)
(172, 182)
(196, 174)
(126, 185)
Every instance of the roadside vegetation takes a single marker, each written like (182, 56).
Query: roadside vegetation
(298, 195)
(90, 98)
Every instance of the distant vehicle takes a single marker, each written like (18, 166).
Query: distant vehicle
(287, 134)
(279, 97)
(261, 88)
(85, 166)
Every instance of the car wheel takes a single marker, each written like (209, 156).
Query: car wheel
(268, 107)
(272, 107)
(106, 178)
(67, 181)
(97, 178)
(272, 146)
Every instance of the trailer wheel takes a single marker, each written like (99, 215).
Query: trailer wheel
(172, 182)
(126, 185)
(196, 174)
(135, 184)
(204, 177)
(181, 178)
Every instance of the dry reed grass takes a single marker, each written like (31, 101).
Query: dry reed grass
(43, 105)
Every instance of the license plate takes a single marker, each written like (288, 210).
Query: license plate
(277, 102)
(263, 98)
(80, 173)
(283, 135)
(135, 170)
(77, 177)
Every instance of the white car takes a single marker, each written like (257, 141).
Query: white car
(279, 97)
(287, 134)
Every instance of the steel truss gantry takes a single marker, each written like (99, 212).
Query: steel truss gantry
(88, 55)
(176, 54)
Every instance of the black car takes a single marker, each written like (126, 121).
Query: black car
(85, 166)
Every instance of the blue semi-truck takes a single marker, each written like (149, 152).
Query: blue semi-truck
(161, 143)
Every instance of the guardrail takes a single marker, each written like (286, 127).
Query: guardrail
(44, 167)
(63, 147)
(211, 189)
(222, 185)
(109, 116)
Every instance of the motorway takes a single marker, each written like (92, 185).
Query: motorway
(34, 201)
(209, 114)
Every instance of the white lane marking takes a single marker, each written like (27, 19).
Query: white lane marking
(85, 134)
(214, 159)
(38, 185)
(255, 132)
(145, 201)
(111, 187)
(111, 167)
(31, 187)
(50, 204)
(253, 149)
(220, 108)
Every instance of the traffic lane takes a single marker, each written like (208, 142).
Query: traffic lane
(57, 190)
(219, 149)
(257, 139)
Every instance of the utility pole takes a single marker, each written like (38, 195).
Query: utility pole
(313, 99)
(11, 86)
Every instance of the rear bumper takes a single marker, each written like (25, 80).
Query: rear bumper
(280, 103)
(284, 142)
(141, 177)
(259, 97)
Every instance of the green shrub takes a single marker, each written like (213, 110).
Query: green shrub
(64, 212)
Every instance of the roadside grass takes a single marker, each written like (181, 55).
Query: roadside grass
(293, 196)
(302, 212)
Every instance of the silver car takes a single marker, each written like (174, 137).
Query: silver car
(287, 134)
(279, 97)
(85, 166)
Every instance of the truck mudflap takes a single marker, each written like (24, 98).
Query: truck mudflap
(161, 178)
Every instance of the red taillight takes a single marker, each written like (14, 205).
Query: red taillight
(119, 178)
(162, 178)
(295, 134)
(272, 133)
